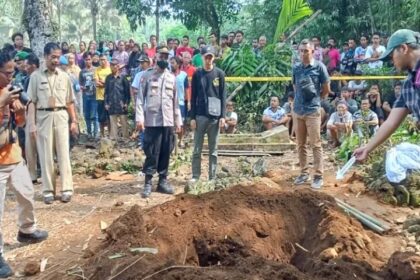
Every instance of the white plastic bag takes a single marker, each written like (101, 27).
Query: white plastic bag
(401, 158)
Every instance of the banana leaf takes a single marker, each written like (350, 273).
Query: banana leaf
(291, 12)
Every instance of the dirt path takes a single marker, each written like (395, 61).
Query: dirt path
(76, 226)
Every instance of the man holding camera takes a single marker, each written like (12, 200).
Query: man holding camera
(311, 83)
(13, 171)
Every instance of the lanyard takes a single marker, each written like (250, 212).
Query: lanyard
(49, 84)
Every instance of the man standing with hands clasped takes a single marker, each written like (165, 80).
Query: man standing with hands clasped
(117, 99)
(208, 109)
(157, 113)
(51, 91)
(311, 83)
(404, 50)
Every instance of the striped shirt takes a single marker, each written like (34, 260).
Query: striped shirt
(410, 93)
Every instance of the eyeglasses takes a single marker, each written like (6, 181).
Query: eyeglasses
(8, 74)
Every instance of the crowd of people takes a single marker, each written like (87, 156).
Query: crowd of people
(42, 106)
(352, 105)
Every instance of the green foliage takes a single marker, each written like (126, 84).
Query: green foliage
(406, 132)
(105, 34)
(211, 13)
(347, 147)
(243, 62)
(292, 11)
(130, 167)
(192, 13)
(137, 10)
(180, 159)
(252, 19)
(353, 18)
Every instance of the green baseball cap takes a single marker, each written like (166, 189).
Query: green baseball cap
(402, 36)
(21, 55)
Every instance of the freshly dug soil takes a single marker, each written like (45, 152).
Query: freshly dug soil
(245, 232)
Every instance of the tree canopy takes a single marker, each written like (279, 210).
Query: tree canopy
(73, 19)
(191, 13)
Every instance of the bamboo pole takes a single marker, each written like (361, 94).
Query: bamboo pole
(370, 218)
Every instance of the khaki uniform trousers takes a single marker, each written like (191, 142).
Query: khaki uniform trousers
(114, 125)
(17, 177)
(309, 127)
(31, 154)
(53, 137)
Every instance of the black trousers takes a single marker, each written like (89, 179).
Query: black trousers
(159, 143)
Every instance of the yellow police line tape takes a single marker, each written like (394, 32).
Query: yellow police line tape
(334, 78)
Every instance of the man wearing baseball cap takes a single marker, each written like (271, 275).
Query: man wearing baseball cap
(208, 110)
(404, 50)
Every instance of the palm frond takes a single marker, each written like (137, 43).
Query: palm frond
(291, 12)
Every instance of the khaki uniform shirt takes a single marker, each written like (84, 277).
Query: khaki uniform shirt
(44, 87)
(157, 105)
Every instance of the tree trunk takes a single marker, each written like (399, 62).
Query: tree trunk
(94, 10)
(94, 26)
(38, 24)
(372, 20)
(214, 20)
(59, 4)
(157, 20)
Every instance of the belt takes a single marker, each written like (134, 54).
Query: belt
(52, 109)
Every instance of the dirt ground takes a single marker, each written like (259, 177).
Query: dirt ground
(235, 234)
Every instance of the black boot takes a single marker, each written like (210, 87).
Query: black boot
(164, 186)
(35, 237)
(5, 270)
(147, 186)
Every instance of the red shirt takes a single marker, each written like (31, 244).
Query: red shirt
(183, 49)
(190, 70)
(151, 53)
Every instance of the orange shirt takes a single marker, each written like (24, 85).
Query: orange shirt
(190, 70)
(12, 153)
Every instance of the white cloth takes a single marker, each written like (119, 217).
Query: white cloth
(401, 158)
(353, 85)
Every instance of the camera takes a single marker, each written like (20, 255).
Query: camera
(23, 97)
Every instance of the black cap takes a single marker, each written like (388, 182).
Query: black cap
(208, 51)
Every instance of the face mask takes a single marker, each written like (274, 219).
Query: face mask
(163, 64)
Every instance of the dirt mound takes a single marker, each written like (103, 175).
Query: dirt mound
(245, 232)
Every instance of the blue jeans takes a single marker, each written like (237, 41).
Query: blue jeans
(140, 139)
(90, 110)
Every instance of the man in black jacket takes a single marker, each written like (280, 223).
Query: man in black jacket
(208, 108)
(117, 98)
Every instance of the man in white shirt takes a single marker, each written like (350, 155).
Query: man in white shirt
(274, 115)
(375, 51)
(340, 124)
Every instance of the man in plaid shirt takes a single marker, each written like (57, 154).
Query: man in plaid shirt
(404, 49)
